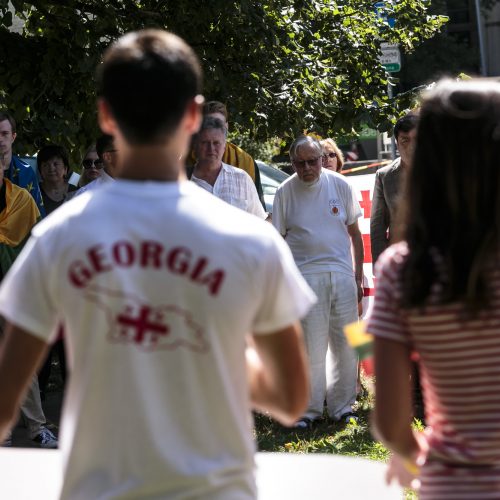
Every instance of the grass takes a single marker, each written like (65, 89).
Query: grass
(353, 439)
(326, 436)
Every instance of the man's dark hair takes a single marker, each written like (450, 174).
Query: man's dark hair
(148, 78)
(405, 124)
(215, 107)
(7, 116)
(52, 151)
(104, 143)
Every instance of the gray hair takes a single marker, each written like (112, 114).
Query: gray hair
(300, 141)
(209, 122)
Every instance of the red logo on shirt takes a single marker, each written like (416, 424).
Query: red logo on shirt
(148, 327)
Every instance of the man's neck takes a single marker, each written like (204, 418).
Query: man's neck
(107, 171)
(153, 164)
(207, 171)
(7, 158)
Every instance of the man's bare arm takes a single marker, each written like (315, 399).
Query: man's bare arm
(359, 256)
(278, 374)
(20, 355)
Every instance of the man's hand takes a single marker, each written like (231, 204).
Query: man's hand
(359, 286)
(278, 374)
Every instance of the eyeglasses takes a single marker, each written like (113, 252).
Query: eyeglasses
(88, 163)
(330, 155)
(302, 163)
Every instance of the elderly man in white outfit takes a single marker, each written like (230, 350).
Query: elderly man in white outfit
(316, 211)
(231, 184)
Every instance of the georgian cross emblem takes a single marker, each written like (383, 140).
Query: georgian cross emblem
(146, 323)
(148, 327)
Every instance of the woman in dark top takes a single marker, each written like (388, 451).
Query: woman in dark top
(53, 166)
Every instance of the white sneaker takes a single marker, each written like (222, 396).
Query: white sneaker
(46, 439)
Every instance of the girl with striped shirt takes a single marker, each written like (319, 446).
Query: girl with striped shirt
(438, 298)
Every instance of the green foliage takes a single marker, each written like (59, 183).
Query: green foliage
(263, 149)
(446, 54)
(282, 66)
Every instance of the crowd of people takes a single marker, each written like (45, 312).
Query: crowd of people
(180, 313)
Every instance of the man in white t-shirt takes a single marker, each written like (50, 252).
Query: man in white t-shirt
(228, 183)
(316, 211)
(108, 154)
(158, 291)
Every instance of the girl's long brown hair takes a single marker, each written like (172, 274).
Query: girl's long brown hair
(450, 216)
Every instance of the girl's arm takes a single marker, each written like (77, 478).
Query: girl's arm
(393, 413)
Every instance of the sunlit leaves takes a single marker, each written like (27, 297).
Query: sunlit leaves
(281, 66)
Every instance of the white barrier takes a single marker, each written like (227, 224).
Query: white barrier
(363, 188)
(29, 474)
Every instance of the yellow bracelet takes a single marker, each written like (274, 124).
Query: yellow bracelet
(411, 467)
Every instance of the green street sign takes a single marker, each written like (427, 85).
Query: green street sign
(392, 67)
(390, 57)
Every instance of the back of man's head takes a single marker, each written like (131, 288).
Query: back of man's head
(211, 107)
(406, 124)
(148, 78)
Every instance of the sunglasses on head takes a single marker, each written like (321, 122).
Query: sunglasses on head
(88, 163)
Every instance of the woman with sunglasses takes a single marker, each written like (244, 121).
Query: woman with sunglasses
(333, 159)
(91, 166)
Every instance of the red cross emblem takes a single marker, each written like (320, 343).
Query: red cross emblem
(142, 325)
(131, 321)
(366, 204)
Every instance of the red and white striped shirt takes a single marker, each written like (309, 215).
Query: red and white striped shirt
(460, 374)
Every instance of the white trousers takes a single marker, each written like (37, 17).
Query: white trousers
(333, 363)
(31, 411)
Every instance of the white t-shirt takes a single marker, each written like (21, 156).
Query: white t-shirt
(102, 180)
(235, 187)
(157, 285)
(314, 219)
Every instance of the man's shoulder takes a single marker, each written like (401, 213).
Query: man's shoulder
(235, 171)
(17, 160)
(88, 187)
(22, 165)
(288, 183)
(338, 181)
(63, 218)
(389, 169)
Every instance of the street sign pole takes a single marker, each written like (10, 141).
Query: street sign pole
(393, 139)
(391, 61)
